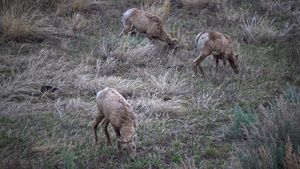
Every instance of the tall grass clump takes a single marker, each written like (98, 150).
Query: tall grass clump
(259, 31)
(78, 5)
(231, 16)
(19, 23)
(201, 4)
(271, 6)
(157, 7)
(67, 7)
(272, 134)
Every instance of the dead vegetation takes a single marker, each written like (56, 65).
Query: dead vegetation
(72, 46)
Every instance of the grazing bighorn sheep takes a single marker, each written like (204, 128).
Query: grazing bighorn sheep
(218, 44)
(112, 106)
(144, 22)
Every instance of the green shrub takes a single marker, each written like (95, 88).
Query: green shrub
(291, 95)
(241, 120)
(273, 135)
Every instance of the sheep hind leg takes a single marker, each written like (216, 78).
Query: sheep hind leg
(97, 120)
(104, 127)
(198, 62)
(125, 30)
(122, 33)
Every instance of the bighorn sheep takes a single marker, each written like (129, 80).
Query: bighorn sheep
(112, 106)
(218, 44)
(144, 22)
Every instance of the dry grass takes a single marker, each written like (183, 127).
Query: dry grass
(181, 119)
(19, 22)
(213, 5)
(156, 7)
(270, 5)
(186, 164)
(292, 159)
(19, 26)
(261, 31)
(68, 7)
(231, 16)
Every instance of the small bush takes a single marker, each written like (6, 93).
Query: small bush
(273, 134)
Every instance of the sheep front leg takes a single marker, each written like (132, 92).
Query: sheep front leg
(195, 69)
(198, 62)
(217, 62)
(217, 57)
(104, 127)
(125, 31)
(118, 134)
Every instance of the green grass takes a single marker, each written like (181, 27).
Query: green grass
(181, 119)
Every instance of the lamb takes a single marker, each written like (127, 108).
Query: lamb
(144, 22)
(218, 44)
(114, 109)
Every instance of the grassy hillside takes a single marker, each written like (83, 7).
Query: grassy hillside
(183, 121)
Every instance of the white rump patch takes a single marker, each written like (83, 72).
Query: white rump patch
(98, 94)
(196, 39)
(125, 16)
(200, 41)
(106, 88)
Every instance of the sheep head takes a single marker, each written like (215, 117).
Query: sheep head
(129, 146)
(234, 62)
